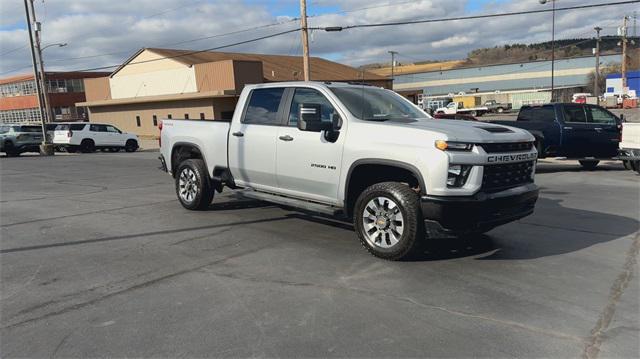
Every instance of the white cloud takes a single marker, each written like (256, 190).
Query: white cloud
(453, 41)
(106, 32)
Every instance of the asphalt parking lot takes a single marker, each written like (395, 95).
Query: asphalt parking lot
(98, 258)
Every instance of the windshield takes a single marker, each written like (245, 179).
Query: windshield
(376, 104)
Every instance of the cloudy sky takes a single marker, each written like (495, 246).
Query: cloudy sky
(106, 32)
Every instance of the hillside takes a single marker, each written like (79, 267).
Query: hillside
(516, 53)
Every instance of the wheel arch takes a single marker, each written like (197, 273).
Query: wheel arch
(358, 178)
(182, 151)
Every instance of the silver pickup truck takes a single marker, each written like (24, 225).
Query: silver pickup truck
(360, 152)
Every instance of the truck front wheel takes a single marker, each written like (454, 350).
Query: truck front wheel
(193, 185)
(387, 217)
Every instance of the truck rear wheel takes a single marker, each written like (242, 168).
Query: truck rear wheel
(193, 185)
(388, 220)
(589, 165)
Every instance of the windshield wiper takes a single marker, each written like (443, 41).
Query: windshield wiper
(379, 119)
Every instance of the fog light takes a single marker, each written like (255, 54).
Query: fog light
(457, 175)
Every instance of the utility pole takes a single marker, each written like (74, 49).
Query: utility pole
(28, 9)
(596, 84)
(43, 75)
(393, 65)
(623, 33)
(305, 40)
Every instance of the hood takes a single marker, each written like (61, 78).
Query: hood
(464, 131)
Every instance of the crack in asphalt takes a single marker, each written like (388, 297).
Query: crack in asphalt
(509, 323)
(572, 229)
(127, 289)
(83, 214)
(594, 341)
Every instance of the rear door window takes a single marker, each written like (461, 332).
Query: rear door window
(575, 113)
(537, 113)
(77, 127)
(263, 106)
(30, 129)
(98, 128)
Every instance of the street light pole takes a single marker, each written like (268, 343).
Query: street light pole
(553, 42)
(43, 76)
(393, 64)
(596, 84)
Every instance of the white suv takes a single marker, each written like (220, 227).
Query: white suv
(87, 137)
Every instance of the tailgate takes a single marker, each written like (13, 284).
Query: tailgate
(61, 136)
(630, 135)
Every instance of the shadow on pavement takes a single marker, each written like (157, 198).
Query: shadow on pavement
(553, 230)
(574, 166)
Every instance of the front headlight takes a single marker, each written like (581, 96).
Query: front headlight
(457, 175)
(453, 146)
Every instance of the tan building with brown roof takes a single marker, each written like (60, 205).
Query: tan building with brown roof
(160, 83)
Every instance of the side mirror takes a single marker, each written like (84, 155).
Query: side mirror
(336, 122)
(310, 118)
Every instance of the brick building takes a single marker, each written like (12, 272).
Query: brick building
(19, 102)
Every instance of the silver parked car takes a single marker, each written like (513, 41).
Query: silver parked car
(16, 139)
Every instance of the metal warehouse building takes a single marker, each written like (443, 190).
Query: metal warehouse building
(163, 83)
(517, 83)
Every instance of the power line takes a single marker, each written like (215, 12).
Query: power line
(181, 42)
(471, 17)
(198, 51)
(14, 50)
(160, 45)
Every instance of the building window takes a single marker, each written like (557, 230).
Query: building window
(186, 116)
(202, 115)
(138, 121)
(155, 120)
(169, 116)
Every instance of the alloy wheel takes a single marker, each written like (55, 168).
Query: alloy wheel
(383, 222)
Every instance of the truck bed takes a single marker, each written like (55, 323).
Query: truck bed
(210, 136)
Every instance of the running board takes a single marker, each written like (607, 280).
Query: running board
(292, 202)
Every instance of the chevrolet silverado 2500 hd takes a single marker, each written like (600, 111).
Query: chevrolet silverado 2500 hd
(362, 152)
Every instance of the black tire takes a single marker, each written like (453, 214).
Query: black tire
(634, 165)
(627, 164)
(589, 165)
(407, 201)
(500, 110)
(131, 146)
(87, 146)
(474, 113)
(71, 149)
(10, 150)
(203, 190)
(637, 165)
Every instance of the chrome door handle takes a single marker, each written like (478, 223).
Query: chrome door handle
(286, 138)
(238, 134)
(598, 129)
(568, 128)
